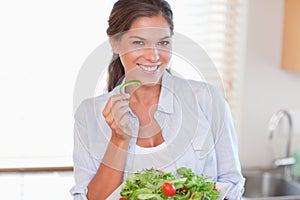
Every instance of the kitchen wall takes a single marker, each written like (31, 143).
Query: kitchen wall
(265, 87)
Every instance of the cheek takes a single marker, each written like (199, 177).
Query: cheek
(131, 56)
(165, 56)
(129, 59)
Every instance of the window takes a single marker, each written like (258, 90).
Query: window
(43, 45)
(214, 25)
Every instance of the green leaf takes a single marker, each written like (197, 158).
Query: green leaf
(149, 196)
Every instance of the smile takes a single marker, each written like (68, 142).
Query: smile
(149, 68)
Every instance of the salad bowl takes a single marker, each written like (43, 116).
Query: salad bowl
(151, 181)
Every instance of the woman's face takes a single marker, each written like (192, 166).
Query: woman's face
(145, 50)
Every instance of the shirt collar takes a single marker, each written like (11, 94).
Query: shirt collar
(166, 98)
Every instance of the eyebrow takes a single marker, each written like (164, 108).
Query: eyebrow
(140, 38)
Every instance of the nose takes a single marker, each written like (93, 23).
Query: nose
(152, 54)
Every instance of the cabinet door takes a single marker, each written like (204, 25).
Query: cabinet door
(291, 36)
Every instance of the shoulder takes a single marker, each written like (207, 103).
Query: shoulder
(203, 91)
(209, 98)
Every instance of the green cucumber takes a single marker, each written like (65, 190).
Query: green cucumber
(122, 88)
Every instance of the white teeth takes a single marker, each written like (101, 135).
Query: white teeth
(148, 68)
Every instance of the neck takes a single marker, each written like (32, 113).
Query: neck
(146, 94)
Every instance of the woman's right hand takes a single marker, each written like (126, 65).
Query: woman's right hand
(116, 116)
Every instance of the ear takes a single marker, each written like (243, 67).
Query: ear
(114, 45)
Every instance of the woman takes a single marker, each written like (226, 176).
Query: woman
(165, 122)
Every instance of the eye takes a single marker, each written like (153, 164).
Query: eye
(138, 43)
(164, 43)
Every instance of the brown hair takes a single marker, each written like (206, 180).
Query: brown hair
(122, 16)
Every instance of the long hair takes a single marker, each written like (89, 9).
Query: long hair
(123, 14)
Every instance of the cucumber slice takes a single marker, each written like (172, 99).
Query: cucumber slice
(122, 88)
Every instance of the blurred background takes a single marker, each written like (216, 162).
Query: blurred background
(43, 45)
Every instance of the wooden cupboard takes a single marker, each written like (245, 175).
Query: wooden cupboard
(291, 36)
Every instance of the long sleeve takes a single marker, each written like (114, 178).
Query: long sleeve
(226, 147)
(85, 166)
(229, 168)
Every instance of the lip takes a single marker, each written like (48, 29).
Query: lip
(149, 68)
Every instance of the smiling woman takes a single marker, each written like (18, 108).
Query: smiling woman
(39, 68)
(176, 121)
(134, 28)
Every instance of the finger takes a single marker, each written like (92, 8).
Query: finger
(120, 98)
(124, 120)
(114, 127)
(107, 108)
(109, 119)
(118, 109)
(120, 113)
(120, 106)
(112, 100)
(117, 113)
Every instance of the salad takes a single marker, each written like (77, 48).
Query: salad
(154, 184)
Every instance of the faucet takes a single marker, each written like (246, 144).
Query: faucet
(288, 161)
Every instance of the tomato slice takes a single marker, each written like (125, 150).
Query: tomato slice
(183, 190)
(215, 188)
(168, 189)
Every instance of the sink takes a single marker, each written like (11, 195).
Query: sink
(270, 186)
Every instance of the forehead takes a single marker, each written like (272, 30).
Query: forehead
(150, 22)
(148, 34)
(149, 27)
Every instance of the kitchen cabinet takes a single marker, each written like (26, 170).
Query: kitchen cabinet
(291, 36)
